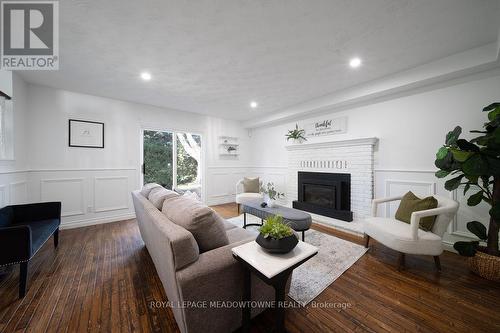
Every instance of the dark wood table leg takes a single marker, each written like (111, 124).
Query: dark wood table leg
(244, 220)
(279, 307)
(23, 278)
(247, 298)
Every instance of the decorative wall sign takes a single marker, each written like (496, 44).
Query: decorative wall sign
(326, 127)
(86, 134)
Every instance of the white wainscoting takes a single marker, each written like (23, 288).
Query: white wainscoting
(221, 181)
(111, 193)
(70, 191)
(18, 192)
(14, 188)
(88, 196)
(423, 183)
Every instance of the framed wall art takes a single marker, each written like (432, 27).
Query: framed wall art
(86, 134)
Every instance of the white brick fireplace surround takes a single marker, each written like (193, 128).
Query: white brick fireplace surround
(355, 157)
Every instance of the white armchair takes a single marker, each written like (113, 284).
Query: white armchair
(408, 238)
(242, 197)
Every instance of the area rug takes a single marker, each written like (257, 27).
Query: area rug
(335, 256)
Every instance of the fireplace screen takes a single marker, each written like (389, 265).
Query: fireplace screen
(327, 194)
(319, 195)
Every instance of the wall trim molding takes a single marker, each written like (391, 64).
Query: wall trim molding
(83, 169)
(67, 180)
(108, 209)
(248, 167)
(96, 221)
(404, 170)
(336, 143)
(13, 171)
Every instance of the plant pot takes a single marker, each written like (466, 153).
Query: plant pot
(271, 203)
(272, 245)
(298, 141)
(485, 265)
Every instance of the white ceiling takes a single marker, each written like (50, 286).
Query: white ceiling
(214, 57)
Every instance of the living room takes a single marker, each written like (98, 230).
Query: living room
(248, 108)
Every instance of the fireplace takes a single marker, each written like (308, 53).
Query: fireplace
(327, 194)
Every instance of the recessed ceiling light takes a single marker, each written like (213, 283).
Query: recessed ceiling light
(254, 105)
(145, 76)
(355, 62)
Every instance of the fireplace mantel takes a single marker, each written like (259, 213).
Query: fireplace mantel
(330, 144)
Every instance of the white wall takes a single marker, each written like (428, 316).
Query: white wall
(13, 172)
(410, 129)
(95, 184)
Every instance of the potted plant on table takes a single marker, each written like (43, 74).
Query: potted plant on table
(475, 165)
(296, 134)
(275, 236)
(271, 194)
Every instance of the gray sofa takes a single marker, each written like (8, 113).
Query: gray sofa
(190, 275)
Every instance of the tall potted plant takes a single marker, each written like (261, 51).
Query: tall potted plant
(475, 165)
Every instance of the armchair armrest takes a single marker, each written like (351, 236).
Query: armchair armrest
(15, 244)
(37, 212)
(416, 216)
(239, 185)
(376, 202)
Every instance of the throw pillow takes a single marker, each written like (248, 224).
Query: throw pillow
(191, 195)
(411, 203)
(146, 189)
(159, 194)
(251, 185)
(206, 225)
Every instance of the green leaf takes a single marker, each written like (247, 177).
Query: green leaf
(466, 249)
(476, 165)
(491, 107)
(475, 199)
(472, 179)
(494, 166)
(453, 183)
(495, 212)
(452, 137)
(467, 146)
(496, 135)
(442, 173)
(466, 188)
(442, 152)
(493, 114)
(478, 229)
(461, 155)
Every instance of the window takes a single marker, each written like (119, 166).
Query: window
(173, 160)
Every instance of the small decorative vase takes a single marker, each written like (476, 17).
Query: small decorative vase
(271, 203)
(485, 265)
(272, 245)
(298, 141)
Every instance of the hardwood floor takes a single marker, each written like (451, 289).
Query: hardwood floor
(101, 279)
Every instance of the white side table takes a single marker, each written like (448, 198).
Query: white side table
(273, 269)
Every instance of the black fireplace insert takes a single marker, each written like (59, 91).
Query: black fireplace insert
(327, 194)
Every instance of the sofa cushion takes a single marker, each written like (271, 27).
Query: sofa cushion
(159, 194)
(251, 185)
(206, 225)
(146, 189)
(411, 203)
(6, 216)
(40, 232)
